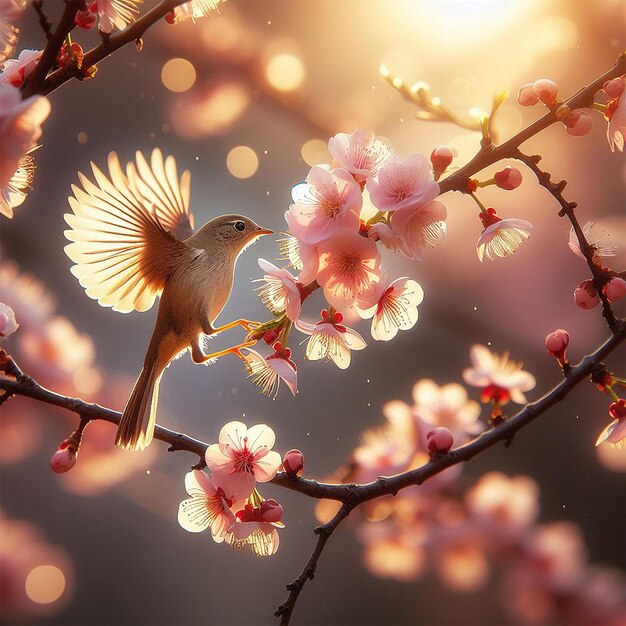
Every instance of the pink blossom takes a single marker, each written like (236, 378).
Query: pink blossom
(330, 340)
(395, 308)
(382, 232)
(115, 13)
(360, 153)
(267, 372)
(615, 289)
(208, 506)
(526, 96)
(349, 269)
(501, 237)
(499, 377)
(546, 90)
(256, 528)
(616, 116)
(509, 178)
(586, 296)
(8, 325)
(293, 462)
(594, 235)
(301, 256)
(245, 456)
(403, 184)
(327, 201)
(421, 227)
(85, 19)
(614, 88)
(447, 406)
(20, 128)
(10, 11)
(615, 432)
(196, 9)
(441, 158)
(16, 71)
(578, 123)
(281, 291)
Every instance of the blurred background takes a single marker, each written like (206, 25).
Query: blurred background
(247, 99)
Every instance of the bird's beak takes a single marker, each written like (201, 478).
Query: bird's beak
(263, 231)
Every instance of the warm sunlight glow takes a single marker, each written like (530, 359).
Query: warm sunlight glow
(178, 75)
(45, 584)
(285, 71)
(315, 151)
(242, 162)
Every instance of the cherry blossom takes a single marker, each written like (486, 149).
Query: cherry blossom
(421, 227)
(615, 432)
(195, 9)
(380, 231)
(267, 372)
(244, 456)
(360, 153)
(16, 71)
(208, 506)
(326, 201)
(349, 268)
(403, 184)
(20, 128)
(256, 527)
(10, 11)
(616, 117)
(500, 378)
(447, 406)
(395, 308)
(115, 13)
(8, 325)
(501, 237)
(301, 256)
(330, 340)
(595, 235)
(281, 292)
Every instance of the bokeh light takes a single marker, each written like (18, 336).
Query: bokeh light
(45, 584)
(285, 71)
(315, 151)
(178, 75)
(242, 162)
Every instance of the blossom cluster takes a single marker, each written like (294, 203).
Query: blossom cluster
(227, 502)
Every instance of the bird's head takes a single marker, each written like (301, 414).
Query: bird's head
(228, 232)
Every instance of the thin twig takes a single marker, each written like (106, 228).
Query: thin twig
(600, 275)
(308, 572)
(44, 22)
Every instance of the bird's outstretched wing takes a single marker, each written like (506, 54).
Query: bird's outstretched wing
(123, 252)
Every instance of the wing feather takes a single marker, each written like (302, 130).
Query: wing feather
(123, 252)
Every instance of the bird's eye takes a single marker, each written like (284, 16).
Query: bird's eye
(240, 226)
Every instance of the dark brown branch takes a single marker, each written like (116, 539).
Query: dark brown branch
(44, 22)
(133, 32)
(323, 535)
(600, 274)
(35, 81)
(489, 155)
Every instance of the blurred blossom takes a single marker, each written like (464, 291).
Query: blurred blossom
(20, 430)
(594, 235)
(611, 458)
(55, 350)
(115, 13)
(36, 576)
(616, 116)
(16, 71)
(447, 406)
(460, 560)
(10, 11)
(8, 324)
(506, 506)
(196, 9)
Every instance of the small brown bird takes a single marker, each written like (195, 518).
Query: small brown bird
(133, 240)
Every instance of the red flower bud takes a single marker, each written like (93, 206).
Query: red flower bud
(578, 123)
(556, 344)
(270, 336)
(526, 96)
(617, 410)
(64, 459)
(585, 295)
(271, 511)
(615, 289)
(293, 462)
(509, 178)
(439, 440)
(85, 19)
(546, 90)
(441, 158)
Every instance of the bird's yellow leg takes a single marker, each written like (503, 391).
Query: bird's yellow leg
(198, 357)
(247, 325)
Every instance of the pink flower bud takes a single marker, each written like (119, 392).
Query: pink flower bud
(556, 344)
(64, 459)
(439, 440)
(85, 19)
(271, 511)
(586, 296)
(615, 289)
(546, 90)
(578, 123)
(509, 178)
(293, 462)
(614, 88)
(270, 336)
(526, 96)
(441, 158)
(617, 410)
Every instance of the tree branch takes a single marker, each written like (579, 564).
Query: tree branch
(131, 33)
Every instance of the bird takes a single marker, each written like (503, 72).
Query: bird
(132, 240)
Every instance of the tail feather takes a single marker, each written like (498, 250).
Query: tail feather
(136, 427)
